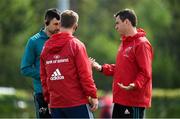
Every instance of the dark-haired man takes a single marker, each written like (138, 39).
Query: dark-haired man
(132, 73)
(66, 73)
(30, 65)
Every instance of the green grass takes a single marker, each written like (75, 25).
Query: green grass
(18, 105)
(165, 104)
(170, 93)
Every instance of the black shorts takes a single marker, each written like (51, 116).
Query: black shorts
(120, 111)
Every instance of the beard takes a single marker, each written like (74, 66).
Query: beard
(53, 31)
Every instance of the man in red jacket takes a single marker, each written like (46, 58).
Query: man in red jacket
(66, 73)
(132, 73)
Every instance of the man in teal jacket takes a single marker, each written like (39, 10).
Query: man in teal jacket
(30, 65)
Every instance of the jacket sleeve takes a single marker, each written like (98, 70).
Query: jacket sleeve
(85, 71)
(43, 76)
(144, 61)
(28, 61)
(108, 69)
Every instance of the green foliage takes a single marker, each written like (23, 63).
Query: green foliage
(164, 107)
(104, 50)
(160, 19)
(165, 104)
(19, 105)
(19, 19)
(17, 11)
(157, 14)
(18, 22)
(164, 64)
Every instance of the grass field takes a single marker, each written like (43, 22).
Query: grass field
(165, 104)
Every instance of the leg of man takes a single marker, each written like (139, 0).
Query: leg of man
(57, 113)
(42, 110)
(82, 111)
(138, 112)
(36, 107)
(120, 111)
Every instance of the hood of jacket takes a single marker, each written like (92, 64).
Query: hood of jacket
(140, 33)
(58, 41)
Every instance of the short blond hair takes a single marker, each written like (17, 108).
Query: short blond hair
(69, 18)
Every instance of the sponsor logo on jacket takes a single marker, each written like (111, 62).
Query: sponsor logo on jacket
(126, 52)
(57, 61)
(57, 75)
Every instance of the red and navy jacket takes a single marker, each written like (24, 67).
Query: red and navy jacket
(133, 65)
(66, 73)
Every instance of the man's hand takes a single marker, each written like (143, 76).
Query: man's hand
(131, 86)
(95, 64)
(93, 103)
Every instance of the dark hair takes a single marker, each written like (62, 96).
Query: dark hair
(51, 14)
(127, 14)
(69, 18)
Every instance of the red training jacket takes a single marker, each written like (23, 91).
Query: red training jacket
(66, 73)
(133, 65)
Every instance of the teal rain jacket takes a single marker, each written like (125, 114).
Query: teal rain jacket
(30, 64)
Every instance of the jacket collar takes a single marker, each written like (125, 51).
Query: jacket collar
(43, 34)
(140, 33)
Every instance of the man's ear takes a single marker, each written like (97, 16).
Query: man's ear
(46, 22)
(126, 21)
(75, 27)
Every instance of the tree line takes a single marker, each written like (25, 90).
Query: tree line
(159, 18)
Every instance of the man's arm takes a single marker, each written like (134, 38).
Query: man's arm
(85, 74)
(107, 69)
(43, 78)
(144, 60)
(28, 61)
